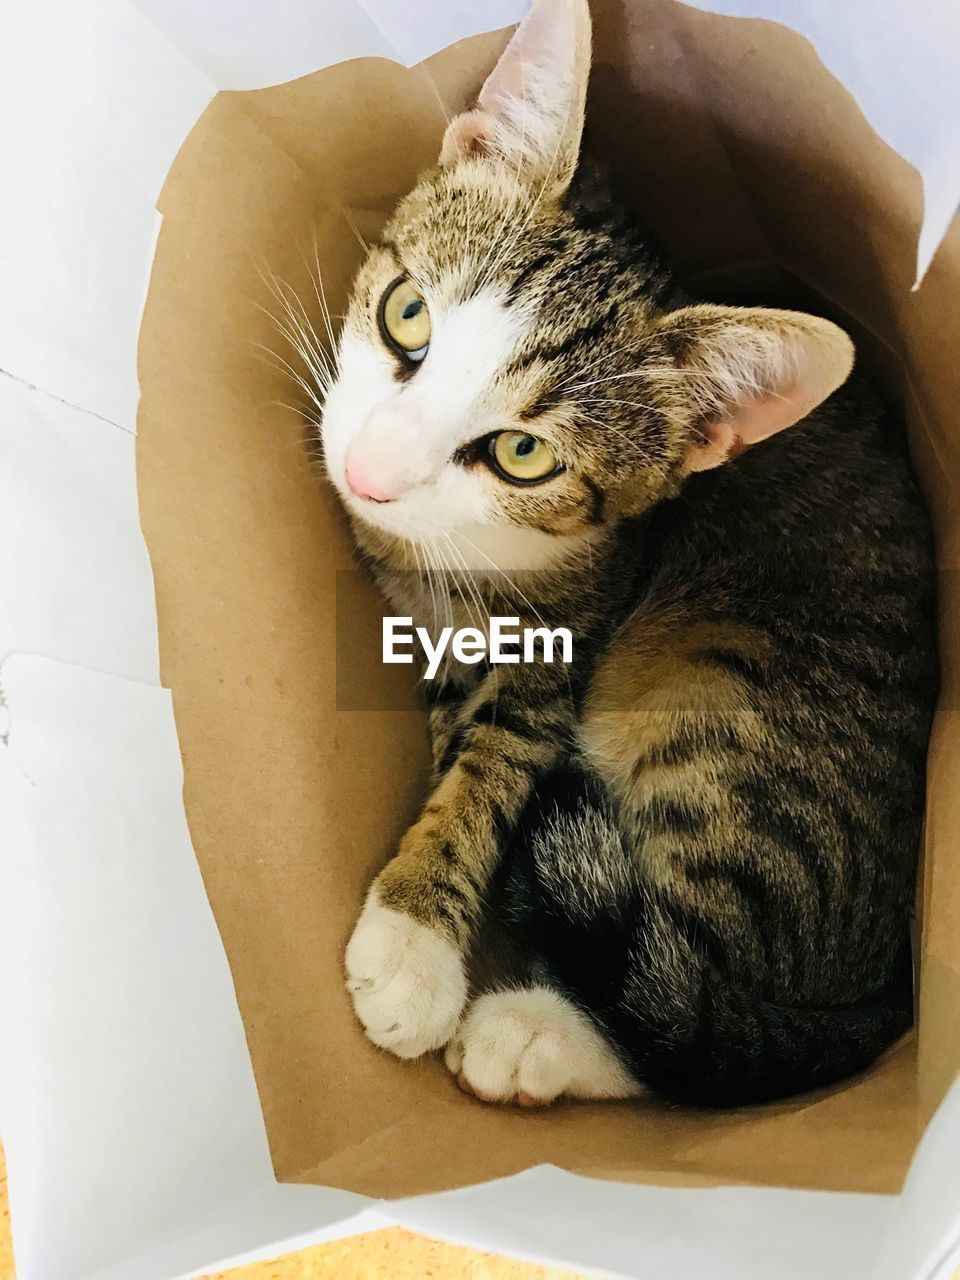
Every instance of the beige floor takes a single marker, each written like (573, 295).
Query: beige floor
(381, 1255)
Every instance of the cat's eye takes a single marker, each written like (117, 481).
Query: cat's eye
(405, 320)
(522, 458)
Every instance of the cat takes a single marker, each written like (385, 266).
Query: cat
(696, 844)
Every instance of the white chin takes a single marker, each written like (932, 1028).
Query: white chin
(386, 517)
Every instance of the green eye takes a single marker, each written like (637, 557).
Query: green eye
(522, 457)
(405, 320)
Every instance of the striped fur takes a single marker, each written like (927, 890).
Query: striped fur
(702, 834)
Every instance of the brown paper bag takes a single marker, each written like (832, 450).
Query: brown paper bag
(293, 805)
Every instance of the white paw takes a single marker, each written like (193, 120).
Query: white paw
(534, 1046)
(407, 982)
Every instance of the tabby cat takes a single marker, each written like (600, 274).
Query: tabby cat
(697, 842)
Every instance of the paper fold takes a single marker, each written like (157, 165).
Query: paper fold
(129, 1106)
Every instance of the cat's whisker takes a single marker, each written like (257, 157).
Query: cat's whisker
(482, 620)
(600, 382)
(427, 580)
(322, 299)
(305, 327)
(575, 383)
(297, 326)
(478, 613)
(284, 366)
(504, 575)
(422, 70)
(605, 425)
(311, 353)
(506, 247)
(514, 587)
(461, 560)
(420, 570)
(448, 575)
(458, 584)
(485, 267)
(601, 356)
(488, 262)
(444, 615)
(314, 389)
(440, 572)
(293, 342)
(297, 410)
(356, 231)
(428, 569)
(328, 351)
(609, 400)
(454, 576)
(645, 370)
(670, 375)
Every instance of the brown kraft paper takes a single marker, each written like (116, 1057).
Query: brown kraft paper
(740, 149)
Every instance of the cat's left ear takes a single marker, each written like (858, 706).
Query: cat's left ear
(529, 116)
(745, 373)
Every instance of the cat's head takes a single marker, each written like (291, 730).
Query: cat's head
(509, 370)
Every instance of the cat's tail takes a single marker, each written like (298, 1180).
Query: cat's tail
(632, 960)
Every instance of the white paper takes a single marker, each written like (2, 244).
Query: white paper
(75, 579)
(252, 45)
(926, 1243)
(415, 31)
(129, 1109)
(266, 1224)
(94, 103)
(647, 1233)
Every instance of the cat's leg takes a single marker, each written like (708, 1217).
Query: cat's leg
(402, 975)
(660, 981)
(532, 1046)
(445, 703)
(405, 963)
(525, 1040)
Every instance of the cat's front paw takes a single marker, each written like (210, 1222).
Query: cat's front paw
(407, 982)
(532, 1046)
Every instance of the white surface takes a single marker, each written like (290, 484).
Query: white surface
(650, 1233)
(129, 1104)
(268, 1223)
(251, 45)
(122, 1035)
(93, 106)
(415, 36)
(926, 1242)
(75, 579)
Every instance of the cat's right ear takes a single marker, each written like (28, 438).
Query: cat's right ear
(745, 373)
(529, 115)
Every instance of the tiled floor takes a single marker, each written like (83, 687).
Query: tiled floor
(6, 1251)
(392, 1255)
(381, 1255)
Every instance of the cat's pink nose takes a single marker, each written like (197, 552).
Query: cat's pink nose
(362, 485)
